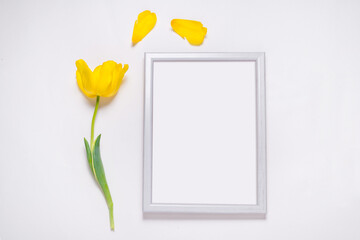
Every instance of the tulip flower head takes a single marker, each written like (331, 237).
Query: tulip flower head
(104, 81)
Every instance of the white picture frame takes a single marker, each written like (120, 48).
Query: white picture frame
(160, 190)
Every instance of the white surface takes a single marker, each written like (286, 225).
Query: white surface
(313, 116)
(204, 134)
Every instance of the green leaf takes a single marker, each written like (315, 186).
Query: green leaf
(100, 176)
(89, 156)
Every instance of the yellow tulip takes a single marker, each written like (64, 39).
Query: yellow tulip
(144, 24)
(193, 31)
(104, 81)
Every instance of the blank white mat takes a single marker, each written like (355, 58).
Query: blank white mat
(204, 132)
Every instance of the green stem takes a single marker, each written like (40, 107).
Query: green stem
(92, 143)
(111, 213)
(101, 181)
(109, 203)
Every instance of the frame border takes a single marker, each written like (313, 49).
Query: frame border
(261, 206)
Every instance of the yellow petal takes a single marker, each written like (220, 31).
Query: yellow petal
(118, 76)
(84, 78)
(79, 82)
(193, 31)
(144, 24)
(103, 75)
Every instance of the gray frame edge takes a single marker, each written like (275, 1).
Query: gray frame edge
(261, 206)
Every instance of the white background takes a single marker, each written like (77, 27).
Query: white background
(204, 133)
(313, 116)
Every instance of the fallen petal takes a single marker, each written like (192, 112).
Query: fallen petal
(144, 24)
(193, 31)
